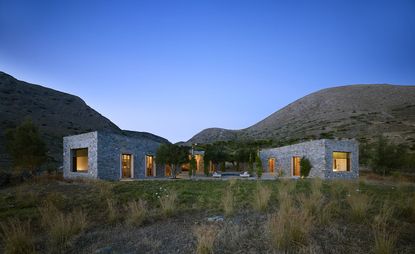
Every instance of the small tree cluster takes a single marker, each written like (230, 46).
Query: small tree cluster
(382, 156)
(26, 147)
(172, 155)
(305, 167)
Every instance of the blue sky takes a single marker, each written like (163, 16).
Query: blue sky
(174, 68)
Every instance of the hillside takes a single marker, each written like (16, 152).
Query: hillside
(56, 114)
(354, 111)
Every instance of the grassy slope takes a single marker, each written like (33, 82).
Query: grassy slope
(196, 201)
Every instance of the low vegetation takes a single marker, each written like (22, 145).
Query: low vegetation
(136, 212)
(17, 237)
(205, 236)
(304, 215)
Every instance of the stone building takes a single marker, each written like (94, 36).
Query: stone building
(111, 156)
(329, 159)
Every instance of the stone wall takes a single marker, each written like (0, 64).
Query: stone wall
(86, 140)
(313, 150)
(104, 155)
(111, 146)
(319, 152)
(350, 146)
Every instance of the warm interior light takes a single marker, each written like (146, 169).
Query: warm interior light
(341, 161)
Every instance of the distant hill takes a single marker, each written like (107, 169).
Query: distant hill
(354, 111)
(56, 114)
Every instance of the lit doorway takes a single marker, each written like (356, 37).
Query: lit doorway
(296, 166)
(150, 165)
(126, 165)
(271, 165)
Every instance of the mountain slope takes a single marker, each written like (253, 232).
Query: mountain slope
(56, 114)
(355, 111)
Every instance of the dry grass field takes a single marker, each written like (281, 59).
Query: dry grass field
(371, 215)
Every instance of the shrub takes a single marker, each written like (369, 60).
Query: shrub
(137, 211)
(205, 237)
(61, 227)
(206, 167)
(305, 167)
(385, 239)
(168, 203)
(261, 197)
(230, 237)
(112, 212)
(193, 165)
(228, 202)
(359, 204)
(289, 227)
(258, 165)
(17, 237)
(26, 147)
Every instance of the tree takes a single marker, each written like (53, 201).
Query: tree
(305, 167)
(384, 156)
(258, 165)
(172, 155)
(193, 165)
(26, 147)
(250, 165)
(206, 167)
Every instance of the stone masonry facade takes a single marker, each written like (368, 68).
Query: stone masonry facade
(320, 154)
(104, 155)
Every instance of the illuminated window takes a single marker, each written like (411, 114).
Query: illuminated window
(80, 160)
(149, 165)
(271, 165)
(341, 161)
(126, 165)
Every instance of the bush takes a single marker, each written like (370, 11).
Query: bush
(261, 197)
(112, 211)
(193, 165)
(258, 165)
(136, 211)
(17, 237)
(359, 204)
(26, 147)
(205, 237)
(305, 167)
(228, 202)
(61, 227)
(289, 227)
(206, 167)
(385, 239)
(168, 203)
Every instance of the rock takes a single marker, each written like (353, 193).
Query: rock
(105, 250)
(217, 218)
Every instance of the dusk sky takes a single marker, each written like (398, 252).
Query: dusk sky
(173, 68)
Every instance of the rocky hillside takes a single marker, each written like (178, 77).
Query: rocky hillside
(56, 114)
(355, 111)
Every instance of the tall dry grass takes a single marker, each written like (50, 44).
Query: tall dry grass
(289, 227)
(284, 190)
(385, 236)
(112, 211)
(359, 204)
(17, 237)
(262, 196)
(61, 227)
(205, 238)
(136, 212)
(228, 201)
(168, 203)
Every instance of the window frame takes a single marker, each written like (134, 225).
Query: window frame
(74, 163)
